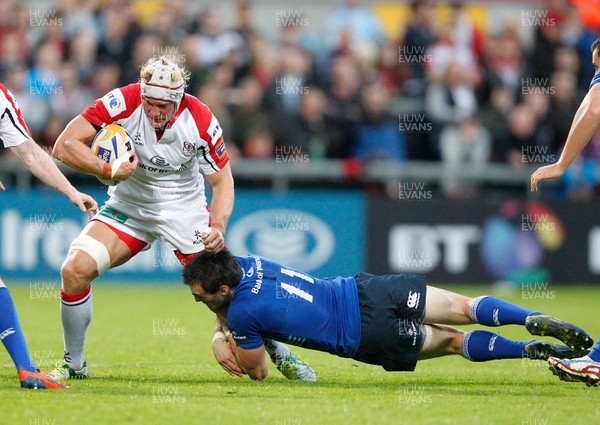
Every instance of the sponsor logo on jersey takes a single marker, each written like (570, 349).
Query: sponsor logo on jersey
(151, 169)
(220, 148)
(306, 247)
(160, 161)
(259, 276)
(250, 272)
(114, 102)
(137, 139)
(198, 236)
(413, 299)
(114, 215)
(216, 130)
(189, 149)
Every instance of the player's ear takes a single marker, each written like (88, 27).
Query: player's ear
(224, 290)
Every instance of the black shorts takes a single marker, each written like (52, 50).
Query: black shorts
(392, 309)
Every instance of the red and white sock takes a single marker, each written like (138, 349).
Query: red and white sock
(76, 315)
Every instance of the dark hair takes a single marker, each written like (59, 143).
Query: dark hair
(596, 46)
(212, 271)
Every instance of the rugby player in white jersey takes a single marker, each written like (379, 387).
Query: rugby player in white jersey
(15, 136)
(160, 194)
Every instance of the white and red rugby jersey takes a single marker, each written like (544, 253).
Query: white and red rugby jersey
(169, 168)
(13, 130)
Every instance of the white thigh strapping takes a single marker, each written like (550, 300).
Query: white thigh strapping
(95, 249)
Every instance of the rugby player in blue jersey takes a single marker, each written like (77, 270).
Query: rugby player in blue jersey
(392, 321)
(585, 124)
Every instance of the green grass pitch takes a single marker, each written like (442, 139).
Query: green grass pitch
(150, 362)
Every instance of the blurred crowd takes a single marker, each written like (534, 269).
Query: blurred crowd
(442, 89)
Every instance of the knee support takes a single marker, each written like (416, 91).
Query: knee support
(94, 249)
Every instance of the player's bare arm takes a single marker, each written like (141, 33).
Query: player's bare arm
(72, 149)
(584, 126)
(44, 168)
(253, 362)
(223, 353)
(220, 208)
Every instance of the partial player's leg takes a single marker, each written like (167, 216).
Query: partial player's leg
(441, 340)
(14, 341)
(491, 311)
(454, 309)
(11, 333)
(450, 308)
(447, 307)
(94, 251)
(480, 346)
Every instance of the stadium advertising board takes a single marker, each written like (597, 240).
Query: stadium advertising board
(319, 232)
(485, 241)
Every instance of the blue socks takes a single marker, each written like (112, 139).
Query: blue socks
(595, 353)
(480, 346)
(11, 333)
(491, 311)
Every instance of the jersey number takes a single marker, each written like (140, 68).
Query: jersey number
(297, 291)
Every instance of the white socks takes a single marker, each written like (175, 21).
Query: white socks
(76, 314)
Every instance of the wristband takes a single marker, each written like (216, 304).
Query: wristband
(219, 335)
(106, 171)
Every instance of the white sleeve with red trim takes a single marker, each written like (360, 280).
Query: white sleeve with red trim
(13, 130)
(212, 155)
(113, 106)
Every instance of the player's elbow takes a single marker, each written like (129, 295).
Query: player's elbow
(58, 150)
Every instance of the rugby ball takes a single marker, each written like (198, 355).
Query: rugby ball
(112, 144)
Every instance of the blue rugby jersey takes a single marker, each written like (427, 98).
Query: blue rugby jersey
(595, 80)
(278, 302)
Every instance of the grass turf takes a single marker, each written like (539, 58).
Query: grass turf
(148, 351)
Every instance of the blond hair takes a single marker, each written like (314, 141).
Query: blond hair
(179, 72)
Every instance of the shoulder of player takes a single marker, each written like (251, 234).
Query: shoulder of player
(118, 104)
(5, 97)
(594, 83)
(594, 97)
(240, 310)
(197, 109)
(132, 94)
(3, 91)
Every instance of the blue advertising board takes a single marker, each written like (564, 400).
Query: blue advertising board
(320, 232)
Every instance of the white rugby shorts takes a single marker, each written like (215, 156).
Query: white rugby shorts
(179, 225)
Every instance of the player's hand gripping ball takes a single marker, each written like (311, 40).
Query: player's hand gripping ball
(113, 145)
